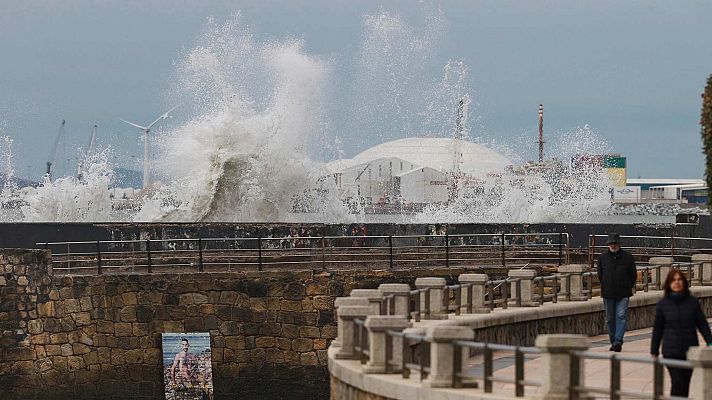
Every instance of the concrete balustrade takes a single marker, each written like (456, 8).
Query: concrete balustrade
(556, 372)
(412, 373)
(377, 327)
(373, 296)
(436, 291)
(701, 384)
(442, 352)
(346, 325)
(575, 284)
(342, 302)
(526, 286)
(477, 297)
(665, 264)
(401, 293)
(705, 261)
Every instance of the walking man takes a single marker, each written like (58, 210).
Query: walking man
(617, 274)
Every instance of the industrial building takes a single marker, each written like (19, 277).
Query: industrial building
(414, 170)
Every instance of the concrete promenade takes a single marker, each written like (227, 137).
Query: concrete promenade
(638, 377)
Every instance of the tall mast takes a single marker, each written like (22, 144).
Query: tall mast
(541, 133)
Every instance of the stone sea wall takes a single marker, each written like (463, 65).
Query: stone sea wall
(100, 336)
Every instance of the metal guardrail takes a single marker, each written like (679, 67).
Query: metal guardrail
(200, 254)
(680, 248)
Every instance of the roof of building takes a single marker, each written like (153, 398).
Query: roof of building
(436, 153)
(665, 181)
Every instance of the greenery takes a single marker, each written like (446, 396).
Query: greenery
(706, 123)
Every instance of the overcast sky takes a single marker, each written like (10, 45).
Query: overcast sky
(633, 70)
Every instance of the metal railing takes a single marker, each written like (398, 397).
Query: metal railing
(393, 251)
(615, 391)
(642, 247)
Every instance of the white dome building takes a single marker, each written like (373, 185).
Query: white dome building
(414, 170)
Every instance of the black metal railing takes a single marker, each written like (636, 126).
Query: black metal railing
(393, 251)
(643, 247)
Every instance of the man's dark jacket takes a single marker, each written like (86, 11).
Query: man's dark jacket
(617, 274)
(677, 319)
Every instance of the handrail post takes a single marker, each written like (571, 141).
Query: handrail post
(378, 327)
(98, 258)
(200, 254)
(345, 302)
(557, 364)
(504, 262)
(323, 252)
(390, 251)
(473, 298)
(442, 353)
(701, 360)
(259, 253)
(561, 249)
(447, 251)
(400, 292)
(525, 282)
(434, 299)
(518, 372)
(148, 256)
(615, 384)
(347, 315)
(705, 267)
(591, 249)
(664, 263)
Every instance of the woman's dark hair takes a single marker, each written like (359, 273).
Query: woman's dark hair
(671, 276)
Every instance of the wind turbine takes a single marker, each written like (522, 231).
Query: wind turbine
(146, 148)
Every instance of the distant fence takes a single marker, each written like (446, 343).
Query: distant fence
(325, 252)
(642, 247)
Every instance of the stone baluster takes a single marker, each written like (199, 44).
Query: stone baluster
(526, 286)
(442, 352)
(665, 263)
(701, 384)
(374, 298)
(477, 300)
(343, 302)
(436, 289)
(556, 364)
(346, 326)
(378, 326)
(576, 281)
(706, 267)
(401, 291)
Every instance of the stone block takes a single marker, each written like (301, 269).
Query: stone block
(199, 298)
(145, 313)
(140, 329)
(105, 326)
(302, 344)
(229, 328)
(75, 363)
(134, 356)
(207, 309)
(71, 306)
(46, 309)
(309, 332)
(129, 298)
(284, 343)
(80, 348)
(85, 304)
(257, 355)
(294, 291)
(118, 357)
(82, 318)
(35, 326)
(329, 332)
(309, 358)
(265, 341)
(123, 329)
(53, 350)
(271, 329)
(23, 281)
(194, 324)
(173, 327)
(291, 305)
(274, 356)
(20, 354)
(258, 304)
(228, 297)
(67, 350)
(235, 342)
(91, 358)
(323, 356)
(323, 303)
(320, 344)
(23, 368)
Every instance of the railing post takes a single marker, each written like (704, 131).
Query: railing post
(442, 352)
(200, 254)
(665, 264)
(345, 302)
(504, 260)
(390, 251)
(378, 326)
(575, 282)
(347, 314)
(447, 251)
(98, 258)
(591, 249)
(561, 248)
(525, 281)
(406, 356)
(323, 253)
(149, 261)
(259, 253)
(373, 296)
(473, 295)
(705, 267)
(701, 385)
(435, 287)
(556, 364)
(400, 292)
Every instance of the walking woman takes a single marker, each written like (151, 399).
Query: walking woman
(678, 316)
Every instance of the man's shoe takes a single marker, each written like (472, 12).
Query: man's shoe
(612, 348)
(618, 347)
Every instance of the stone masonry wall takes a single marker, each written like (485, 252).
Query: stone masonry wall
(100, 336)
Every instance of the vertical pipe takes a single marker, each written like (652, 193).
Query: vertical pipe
(487, 378)
(148, 255)
(200, 254)
(259, 253)
(615, 378)
(98, 258)
(519, 372)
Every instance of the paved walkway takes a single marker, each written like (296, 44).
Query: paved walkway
(636, 377)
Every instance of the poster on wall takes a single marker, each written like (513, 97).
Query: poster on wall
(187, 366)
